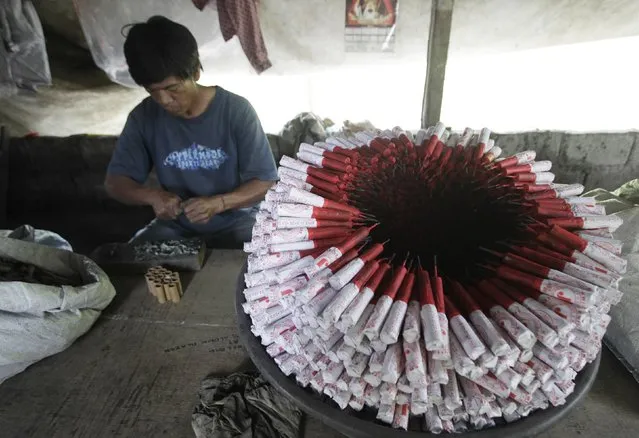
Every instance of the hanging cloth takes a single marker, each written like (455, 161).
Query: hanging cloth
(240, 17)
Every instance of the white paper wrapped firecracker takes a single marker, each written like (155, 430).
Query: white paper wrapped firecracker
(426, 276)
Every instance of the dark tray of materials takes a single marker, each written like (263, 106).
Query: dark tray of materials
(363, 424)
(176, 255)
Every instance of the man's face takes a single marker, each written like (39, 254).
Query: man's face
(174, 94)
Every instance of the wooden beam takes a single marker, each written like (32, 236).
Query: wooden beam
(4, 175)
(438, 41)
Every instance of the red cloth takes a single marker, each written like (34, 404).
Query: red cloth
(239, 17)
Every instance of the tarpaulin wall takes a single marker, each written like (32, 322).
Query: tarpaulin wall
(313, 69)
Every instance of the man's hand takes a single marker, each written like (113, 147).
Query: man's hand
(166, 205)
(201, 210)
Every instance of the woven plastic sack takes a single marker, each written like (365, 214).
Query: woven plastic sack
(37, 321)
(27, 233)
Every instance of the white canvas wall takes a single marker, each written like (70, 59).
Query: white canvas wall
(311, 70)
(559, 65)
(513, 65)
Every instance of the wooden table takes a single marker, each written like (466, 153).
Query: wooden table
(137, 371)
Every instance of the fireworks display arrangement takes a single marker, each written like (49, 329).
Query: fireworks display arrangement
(424, 275)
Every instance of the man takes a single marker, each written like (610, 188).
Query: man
(211, 156)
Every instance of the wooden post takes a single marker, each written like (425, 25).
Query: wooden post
(4, 176)
(438, 40)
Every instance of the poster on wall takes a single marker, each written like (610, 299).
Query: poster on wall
(370, 25)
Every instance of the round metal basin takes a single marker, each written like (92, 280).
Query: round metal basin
(363, 424)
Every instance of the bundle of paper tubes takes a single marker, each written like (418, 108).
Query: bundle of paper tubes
(425, 275)
(164, 284)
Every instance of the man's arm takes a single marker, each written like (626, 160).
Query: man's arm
(201, 210)
(255, 158)
(256, 167)
(128, 170)
(247, 194)
(165, 205)
(127, 191)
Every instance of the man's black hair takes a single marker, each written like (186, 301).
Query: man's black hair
(158, 49)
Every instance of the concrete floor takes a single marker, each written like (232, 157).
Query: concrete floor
(136, 373)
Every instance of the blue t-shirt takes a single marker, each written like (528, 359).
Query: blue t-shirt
(211, 154)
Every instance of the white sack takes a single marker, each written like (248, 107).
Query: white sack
(37, 321)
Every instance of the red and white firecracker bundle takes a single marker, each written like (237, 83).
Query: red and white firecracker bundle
(426, 276)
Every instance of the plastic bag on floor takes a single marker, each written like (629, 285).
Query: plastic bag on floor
(244, 405)
(39, 320)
